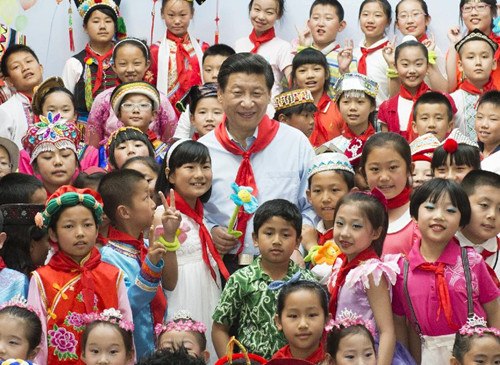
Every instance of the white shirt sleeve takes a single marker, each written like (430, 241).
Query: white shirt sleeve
(184, 128)
(71, 73)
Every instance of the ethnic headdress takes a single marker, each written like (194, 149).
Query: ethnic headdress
(292, 98)
(450, 144)
(423, 147)
(355, 85)
(41, 90)
(20, 214)
(476, 35)
(135, 87)
(329, 161)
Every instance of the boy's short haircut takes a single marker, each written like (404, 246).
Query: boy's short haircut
(117, 188)
(490, 97)
(15, 48)
(335, 3)
(434, 97)
(218, 50)
(278, 208)
(18, 188)
(478, 178)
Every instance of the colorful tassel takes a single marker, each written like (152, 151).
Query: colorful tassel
(70, 28)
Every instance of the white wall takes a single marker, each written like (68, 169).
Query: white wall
(47, 23)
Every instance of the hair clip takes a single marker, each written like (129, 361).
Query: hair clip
(110, 315)
(477, 326)
(348, 318)
(450, 145)
(278, 284)
(181, 322)
(19, 301)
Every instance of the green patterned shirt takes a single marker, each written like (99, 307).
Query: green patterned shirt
(247, 299)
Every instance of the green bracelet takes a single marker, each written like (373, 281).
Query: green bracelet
(170, 246)
(432, 57)
(392, 73)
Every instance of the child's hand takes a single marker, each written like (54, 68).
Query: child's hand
(309, 236)
(388, 53)
(156, 250)
(305, 38)
(454, 35)
(345, 56)
(430, 42)
(171, 217)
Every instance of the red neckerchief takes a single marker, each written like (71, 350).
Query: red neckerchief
(466, 85)
(267, 130)
(196, 136)
(346, 267)
(316, 357)
(349, 134)
(159, 303)
(319, 133)
(324, 237)
(100, 65)
(364, 54)
(496, 39)
(423, 38)
(404, 93)
(399, 200)
(207, 245)
(2, 264)
(258, 40)
(61, 261)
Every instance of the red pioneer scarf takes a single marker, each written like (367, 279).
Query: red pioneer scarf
(405, 94)
(2, 264)
(315, 358)
(100, 65)
(399, 200)
(466, 85)
(319, 134)
(324, 237)
(370, 131)
(258, 40)
(364, 54)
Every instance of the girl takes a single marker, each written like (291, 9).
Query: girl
(440, 284)
(188, 171)
(263, 41)
(310, 70)
(475, 342)
(422, 149)
(359, 279)
(107, 338)
(177, 60)
(206, 109)
(125, 143)
(350, 340)
(302, 307)
(20, 330)
(374, 19)
(386, 165)
(75, 281)
(355, 96)
(455, 157)
(51, 144)
(131, 60)
(411, 62)
(183, 331)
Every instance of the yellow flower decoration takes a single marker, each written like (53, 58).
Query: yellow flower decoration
(325, 254)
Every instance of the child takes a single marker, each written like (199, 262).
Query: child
(475, 342)
(483, 190)
(455, 157)
(330, 177)
(263, 41)
(488, 131)
(476, 52)
(422, 149)
(136, 104)
(20, 330)
(205, 109)
(21, 188)
(183, 332)
(51, 144)
(355, 97)
(296, 108)
(149, 167)
(107, 338)
(411, 61)
(143, 266)
(301, 313)
(245, 298)
(21, 69)
(433, 113)
(374, 19)
(439, 284)
(172, 357)
(126, 143)
(350, 339)
(310, 71)
(75, 282)
(176, 60)
(89, 178)
(131, 59)
(386, 164)
(9, 156)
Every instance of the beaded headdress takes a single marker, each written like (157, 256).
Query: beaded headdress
(423, 147)
(329, 161)
(292, 98)
(347, 318)
(354, 85)
(477, 326)
(182, 321)
(110, 315)
(135, 87)
(476, 35)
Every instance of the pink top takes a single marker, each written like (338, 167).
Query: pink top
(400, 235)
(102, 119)
(423, 289)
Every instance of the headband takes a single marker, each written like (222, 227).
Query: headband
(172, 148)
(19, 301)
(477, 326)
(292, 98)
(133, 40)
(110, 315)
(347, 318)
(181, 322)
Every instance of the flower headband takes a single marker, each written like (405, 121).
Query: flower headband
(110, 315)
(348, 318)
(182, 322)
(477, 326)
(19, 301)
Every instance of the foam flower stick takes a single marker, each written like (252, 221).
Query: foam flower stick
(243, 199)
(325, 254)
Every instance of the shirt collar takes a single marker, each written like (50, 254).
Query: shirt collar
(250, 140)
(320, 227)
(490, 245)
(448, 256)
(376, 44)
(261, 275)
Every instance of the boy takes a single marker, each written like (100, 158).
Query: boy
(326, 20)
(476, 52)
(433, 114)
(9, 37)
(130, 214)
(21, 70)
(212, 59)
(246, 297)
(487, 126)
(9, 156)
(296, 108)
(483, 190)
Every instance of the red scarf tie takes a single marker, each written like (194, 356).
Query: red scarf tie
(100, 65)
(346, 267)
(319, 134)
(466, 85)
(442, 289)
(61, 261)
(364, 54)
(404, 93)
(267, 131)
(399, 200)
(2, 264)
(347, 133)
(207, 245)
(258, 40)
(423, 38)
(324, 237)
(315, 358)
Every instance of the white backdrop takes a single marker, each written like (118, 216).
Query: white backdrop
(46, 23)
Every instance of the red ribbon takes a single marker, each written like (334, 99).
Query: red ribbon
(259, 40)
(364, 54)
(100, 65)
